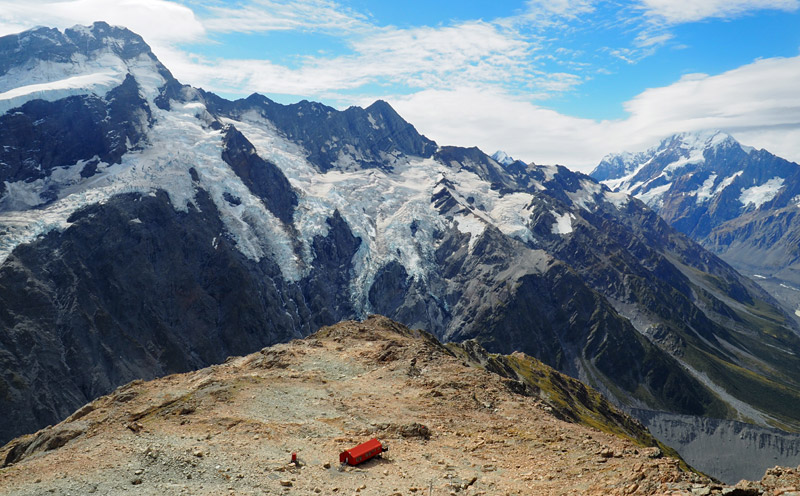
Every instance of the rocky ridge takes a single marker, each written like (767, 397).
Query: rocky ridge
(452, 425)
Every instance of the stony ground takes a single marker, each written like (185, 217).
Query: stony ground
(450, 428)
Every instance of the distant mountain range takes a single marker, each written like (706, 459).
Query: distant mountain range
(738, 202)
(148, 227)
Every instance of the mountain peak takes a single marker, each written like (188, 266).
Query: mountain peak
(383, 109)
(53, 45)
(675, 151)
(502, 158)
(49, 64)
(699, 140)
(688, 171)
(381, 105)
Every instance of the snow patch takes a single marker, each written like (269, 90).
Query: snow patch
(373, 122)
(619, 200)
(695, 157)
(472, 225)
(758, 195)
(705, 192)
(510, 214)
(654, 196)
(98, 84)
(179, 142)
(563, 223)
(727, 182)
(82, 75)
(550, 172)
(584, 197)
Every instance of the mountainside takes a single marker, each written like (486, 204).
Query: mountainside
(716, 446)
(454, 419)
(169, 228)
(736, 201)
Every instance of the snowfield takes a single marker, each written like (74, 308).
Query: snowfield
(691, 149)
(380, 207)
(95, 75)
(759, 195)
(390, 210)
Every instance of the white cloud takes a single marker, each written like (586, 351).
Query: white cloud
(649, 39)
(759, 95)
(495, 120)
(469, 53)
(758, 103)
(281, 15)
(681, 11)
(654, 20)
(423, 56)
(157, 21)
(545, 12)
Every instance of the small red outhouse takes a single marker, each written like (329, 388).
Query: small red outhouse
(362, 452)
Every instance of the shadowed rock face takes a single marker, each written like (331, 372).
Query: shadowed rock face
(327, 286)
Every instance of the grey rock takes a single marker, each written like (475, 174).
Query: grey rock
(726, 450)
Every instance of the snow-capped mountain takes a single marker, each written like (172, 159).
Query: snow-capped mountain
(149, 227)
(502, 158)
(739, 202)
(698, 180)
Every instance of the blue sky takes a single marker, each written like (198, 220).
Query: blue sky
(711, 46)
(550, 81)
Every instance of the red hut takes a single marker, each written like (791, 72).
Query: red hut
(362, 452)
